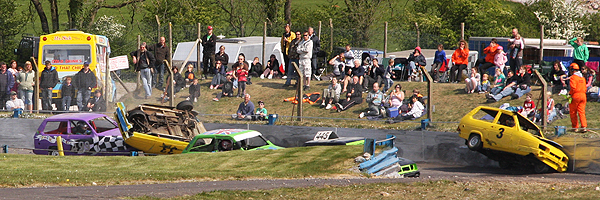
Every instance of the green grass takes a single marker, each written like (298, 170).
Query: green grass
(418, 190)
(450, 101)
(38, 170)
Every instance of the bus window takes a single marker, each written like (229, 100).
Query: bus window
(75, 54)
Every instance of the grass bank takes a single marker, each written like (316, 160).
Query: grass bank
(418, 190)
(36, 170)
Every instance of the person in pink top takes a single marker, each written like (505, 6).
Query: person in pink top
(500, 58)
(241, 74)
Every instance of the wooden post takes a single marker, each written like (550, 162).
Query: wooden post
(197, 50)
(462, 31)
(36, 92)
(300, 83)
(264, 44)
(418, 34)
(138, 84)
(120, 81)
(429, 93)
(541, 45)
(385, 40)
(171, 63)
(331, 34)
(319, 35)
(158, 29)
(544, 112)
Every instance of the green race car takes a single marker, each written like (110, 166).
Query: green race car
(229, 139)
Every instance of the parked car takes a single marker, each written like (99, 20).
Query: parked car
(229, 139)
(330, 138)
(156, 129)
(82, 134)
(511, 139)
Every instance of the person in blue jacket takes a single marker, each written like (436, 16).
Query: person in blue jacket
(438, 61)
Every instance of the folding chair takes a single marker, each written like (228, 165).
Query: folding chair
(443, 72)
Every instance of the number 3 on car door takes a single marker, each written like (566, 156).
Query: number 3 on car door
(501, 133)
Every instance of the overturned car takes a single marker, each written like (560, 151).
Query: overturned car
(157, 129)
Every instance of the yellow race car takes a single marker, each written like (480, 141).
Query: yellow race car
(511, 139)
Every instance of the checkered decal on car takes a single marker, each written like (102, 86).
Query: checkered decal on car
(109, 144)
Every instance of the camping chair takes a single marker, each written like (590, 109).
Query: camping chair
(443, 72)
(401, 74)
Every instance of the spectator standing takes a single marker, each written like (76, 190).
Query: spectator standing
(580, 51)
(261, 112)
(578, 93)
(195, 90)
(245, 109)
(294, 58)
(353, 96)
(26, 80)
(286, 39)
(15, 72)
(208, 51)
(490, 54)
(415, 61)
(315, 52)
(438, 61)
(460, 59)
(388, 75)
(374, 98)
(241, 73)
(143, 61)
(67, 91)
(48, 80)
(7, 82)
(84, 81)
(516, 45)
(96, 104)
(222, 56)
(305, 49)
(14, 102)
(331, 95)
(240, 64)
(161, 52)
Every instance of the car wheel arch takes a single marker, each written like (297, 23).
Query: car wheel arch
(472, 142)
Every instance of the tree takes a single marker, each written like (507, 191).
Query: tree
(564, 20)
(241, 14)
(12, 22)
(361, 14)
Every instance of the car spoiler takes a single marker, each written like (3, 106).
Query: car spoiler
(122, 121)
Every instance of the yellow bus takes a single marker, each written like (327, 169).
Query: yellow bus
(67, 51)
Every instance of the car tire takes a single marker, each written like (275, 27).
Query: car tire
(185, 105)
(541, 168)
(474, 143)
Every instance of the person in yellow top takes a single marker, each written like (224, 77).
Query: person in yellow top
(286, 39)
(577, 106)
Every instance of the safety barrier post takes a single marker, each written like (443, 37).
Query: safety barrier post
(61, 152)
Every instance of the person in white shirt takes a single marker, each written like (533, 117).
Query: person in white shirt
(14, 102)
(416, 111)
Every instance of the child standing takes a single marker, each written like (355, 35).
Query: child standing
(194, 90)
(261, 111)
(242, 76)
(67, 91)
(485, 84)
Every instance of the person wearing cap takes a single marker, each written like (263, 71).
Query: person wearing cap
(143, 61)
(14, 102)
(490, 54)
(415, 60)
(286, 39)
(84, 81)
(161, 52)
(7, 82)
(208, 52)
(48, 80)
(261, 112)
(26, 80)
(578, 93)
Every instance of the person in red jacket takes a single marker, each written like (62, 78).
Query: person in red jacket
(460, 59)
(577, 106)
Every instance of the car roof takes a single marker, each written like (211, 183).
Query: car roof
(237, 134)
(78, 116)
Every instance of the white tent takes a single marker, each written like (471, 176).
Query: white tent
(250, 46)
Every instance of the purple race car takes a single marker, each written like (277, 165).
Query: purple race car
(82, 134)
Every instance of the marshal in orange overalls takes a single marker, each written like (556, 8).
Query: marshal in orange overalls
(578, 90)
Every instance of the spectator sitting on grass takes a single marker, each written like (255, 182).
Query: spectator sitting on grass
(226, 88)
(189, 74)
(396, 96)
(557, 77)
(516, 86)
(331, 95)
(261, 112)
(485, 84)
(416, 110)
(353, 96)
(356, 71)
(472, 83)
(245, 109)
(220, 72)
(528, 107)
(374, 98)
(499, 81)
